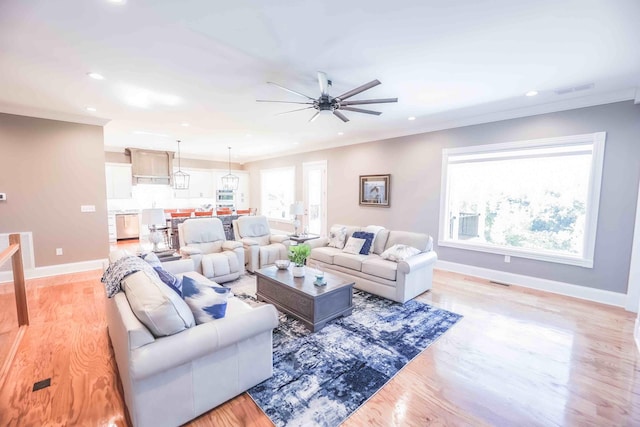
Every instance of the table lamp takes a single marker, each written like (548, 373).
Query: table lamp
(154, 218)
(296, 209)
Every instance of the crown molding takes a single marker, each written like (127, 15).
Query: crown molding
(52, 115)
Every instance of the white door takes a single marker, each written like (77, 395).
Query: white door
(314, 175)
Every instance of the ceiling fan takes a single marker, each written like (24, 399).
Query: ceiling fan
(332, 104)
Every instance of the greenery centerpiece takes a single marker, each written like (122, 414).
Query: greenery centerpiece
(298, 256)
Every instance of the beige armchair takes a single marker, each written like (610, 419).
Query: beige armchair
(214, 257)
(261, 248)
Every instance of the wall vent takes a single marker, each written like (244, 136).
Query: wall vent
(580, 88)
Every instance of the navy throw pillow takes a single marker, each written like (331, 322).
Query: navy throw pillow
(170, 280)
(366, 248)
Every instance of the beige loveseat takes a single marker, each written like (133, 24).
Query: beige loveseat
(170, 380)
(398, 281)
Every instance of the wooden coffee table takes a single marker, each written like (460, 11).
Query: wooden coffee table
(312, 305)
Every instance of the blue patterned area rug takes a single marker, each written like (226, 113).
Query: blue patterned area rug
(321, 378)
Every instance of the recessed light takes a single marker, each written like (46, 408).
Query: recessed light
(531, 93)
(340, 133)
(96, 76)
(185, 125)
(248, 135)
(92, 109)
(412, 118)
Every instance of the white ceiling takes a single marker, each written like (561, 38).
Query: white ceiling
(205, 63)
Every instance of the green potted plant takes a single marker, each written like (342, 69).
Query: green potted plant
(298, 255)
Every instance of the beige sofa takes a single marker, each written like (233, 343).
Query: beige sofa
(170, 380)
(398, 281)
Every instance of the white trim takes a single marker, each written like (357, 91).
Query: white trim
(56, 270)
(306, 168)
(633, 288)
(596, 140)
(41, 113)
(591, 294)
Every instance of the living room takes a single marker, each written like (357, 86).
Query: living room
(56, 163)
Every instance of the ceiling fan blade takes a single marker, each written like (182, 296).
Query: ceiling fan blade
(323, 82)
(369, 101)
(284, 102)
(357, 90)
(293, 111)
(341, 116)
(291, 90)
(315, 116)
(360, 110)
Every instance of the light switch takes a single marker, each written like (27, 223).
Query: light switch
(88, 208)
(3, 196)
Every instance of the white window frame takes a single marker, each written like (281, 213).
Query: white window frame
(593, 198)
(262, 190)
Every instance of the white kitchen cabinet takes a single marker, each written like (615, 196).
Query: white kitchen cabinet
(201, 185)
(118, 179)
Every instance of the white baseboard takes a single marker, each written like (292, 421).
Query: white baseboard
(55, 270)
(568, 289)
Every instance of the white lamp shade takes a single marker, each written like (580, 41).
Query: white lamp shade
(153, 217)
(297, 208)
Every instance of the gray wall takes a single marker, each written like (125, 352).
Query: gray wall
(414, 163)
(50, 168)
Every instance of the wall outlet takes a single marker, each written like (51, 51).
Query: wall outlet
(58, 251)
(87, 208)
(507, 258)
(3, 196)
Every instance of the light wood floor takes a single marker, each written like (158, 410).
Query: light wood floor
(518, 358)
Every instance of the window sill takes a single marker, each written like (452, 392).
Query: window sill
(519, 253)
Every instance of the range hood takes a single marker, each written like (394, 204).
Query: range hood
(150, 167)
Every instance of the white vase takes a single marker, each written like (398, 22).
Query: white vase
(298, 271)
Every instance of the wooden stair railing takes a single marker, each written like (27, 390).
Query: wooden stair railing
(14, 253)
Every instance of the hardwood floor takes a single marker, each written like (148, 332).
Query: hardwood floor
(518, 357)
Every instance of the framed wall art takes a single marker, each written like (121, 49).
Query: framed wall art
(375, 190)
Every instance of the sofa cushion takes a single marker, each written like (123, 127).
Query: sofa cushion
(375, 229)
(380, 268)
(397, 253)
(351, 261)
(354, 245)
(419, 241)
(380, 241)
(337, 236)
(270, 253)
(253, 226)
(206, 302)
(324, 254)
(368, 240)
(158, 307)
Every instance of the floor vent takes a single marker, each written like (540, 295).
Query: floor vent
(499, 283)
(41, 384)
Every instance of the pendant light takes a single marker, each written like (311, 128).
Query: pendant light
(230, 181)
(180, 179)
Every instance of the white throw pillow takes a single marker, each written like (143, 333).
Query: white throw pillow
(397, 253)
(156, 305)
(354, 245)
(337, 237)
(375, 229)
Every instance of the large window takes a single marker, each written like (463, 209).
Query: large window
(534, 199)
(277, 192)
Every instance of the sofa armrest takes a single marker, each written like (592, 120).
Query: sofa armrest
(194, 343)
(229, 245)
(278, 238)
(248, 242)
(415, 262)
(190, 250)
(318, 243)
(179, 266)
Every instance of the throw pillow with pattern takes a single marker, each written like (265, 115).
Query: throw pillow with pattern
(169, 279)
(337, 237)
(207, 303)
(368, 237)
(397, 253)
(353, 246)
